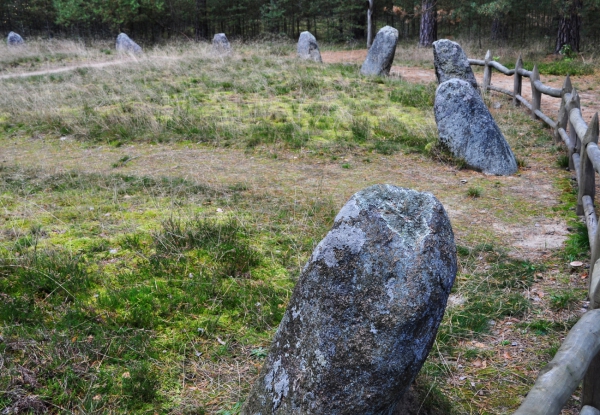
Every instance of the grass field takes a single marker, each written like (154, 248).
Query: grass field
(157, 213)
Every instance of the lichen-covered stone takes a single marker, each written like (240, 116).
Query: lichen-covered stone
(14, 39)
(220, 44)
(381, 54)
(466, 128)
(124, 44)
(451, 62)
(308, 49)
(365, 311)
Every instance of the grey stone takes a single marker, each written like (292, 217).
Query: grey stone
(381, 54)
(125, 44)
(308, 49)
(451, 62)
(14, 39)
(365, 311)
(220, 44)
(466, 128)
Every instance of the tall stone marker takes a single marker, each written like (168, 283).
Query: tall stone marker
(14, 39)
(124, 44)
(466, 128)
(381, 54)
(451, 62)
(365, 311)
(220, 44)
(308, 49)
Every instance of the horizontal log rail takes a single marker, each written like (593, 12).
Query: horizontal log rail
(559, 379)
(578, 359)
(524, 102)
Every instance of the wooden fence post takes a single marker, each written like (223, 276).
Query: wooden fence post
(591, 381)
(563, 116)
(591, 136)
(573, 103)
(591, 384)
(536, 96)
(518, 82)
(487, 72)
(587, 181)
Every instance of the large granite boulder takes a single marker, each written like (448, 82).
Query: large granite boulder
(220, 44)
(451, 62)
(381, 54)
(308, 49)
(365, 311)
(466, 128)
(14, 39)
(124, 44)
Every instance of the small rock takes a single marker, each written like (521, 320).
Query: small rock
(220, 44)
(308, 49)
(497, 105)
(14, 39)
(381, 54)
(125, 45)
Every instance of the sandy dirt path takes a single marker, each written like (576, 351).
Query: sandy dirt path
(95, 65)
(67, 69)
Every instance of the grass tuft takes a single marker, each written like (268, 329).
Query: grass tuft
(474, 192)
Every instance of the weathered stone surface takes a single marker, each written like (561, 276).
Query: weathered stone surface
(125, 44)
(381, 54)
(365, 310)
(14, 39)
(466, 128)
(220, 44)
(308, 49)
(451, 62)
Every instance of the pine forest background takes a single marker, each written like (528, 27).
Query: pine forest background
(575, 21)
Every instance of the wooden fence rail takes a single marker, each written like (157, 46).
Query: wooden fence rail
(578, 358)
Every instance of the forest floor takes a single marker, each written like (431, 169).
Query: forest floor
(96, 165)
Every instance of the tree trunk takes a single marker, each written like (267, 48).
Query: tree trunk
(569, 27)
(370, 24)
(197, 21)
(499, 28)
(428, 30)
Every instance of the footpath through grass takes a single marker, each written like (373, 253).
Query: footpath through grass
(156, 216)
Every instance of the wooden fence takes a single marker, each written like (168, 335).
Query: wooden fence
(578, 358)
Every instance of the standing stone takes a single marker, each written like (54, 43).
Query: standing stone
(381, 54)
(467, 129)
(451, 62)
(14, 39)
(125, 44)
(365, 311)
(220, 44)
(308, 49)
